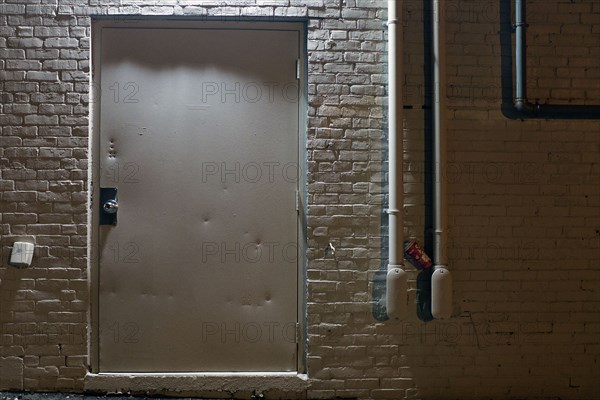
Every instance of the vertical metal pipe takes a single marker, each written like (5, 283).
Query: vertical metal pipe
(396, 282)
(520, 57)
(395, 137)
(441, 280)
(439, 143)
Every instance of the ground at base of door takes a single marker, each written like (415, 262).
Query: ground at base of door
(78, 396)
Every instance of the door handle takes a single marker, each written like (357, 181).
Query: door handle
(109, 205)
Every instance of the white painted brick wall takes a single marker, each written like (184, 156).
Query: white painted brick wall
(524, 199)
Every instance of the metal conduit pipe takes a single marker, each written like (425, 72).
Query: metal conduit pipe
(441, 280)
(521, 103)
(397, 278)
(527, 109)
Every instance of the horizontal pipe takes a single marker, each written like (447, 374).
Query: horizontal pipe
(560, 111)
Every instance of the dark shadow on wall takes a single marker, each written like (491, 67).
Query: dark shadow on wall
(423, 295)
(378, 292)
(378, 289)
(378, 283)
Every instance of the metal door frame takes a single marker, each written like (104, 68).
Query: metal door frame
(101, 22)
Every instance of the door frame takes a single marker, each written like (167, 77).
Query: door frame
(97, 25)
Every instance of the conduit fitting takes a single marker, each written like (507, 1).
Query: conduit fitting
(522, 105)
(441, 292)
(396, 294)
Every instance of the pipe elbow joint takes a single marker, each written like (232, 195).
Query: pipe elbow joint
(523, 106)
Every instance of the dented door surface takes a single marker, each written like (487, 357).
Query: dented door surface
(198, 136)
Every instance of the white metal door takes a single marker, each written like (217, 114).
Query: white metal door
(198, 134)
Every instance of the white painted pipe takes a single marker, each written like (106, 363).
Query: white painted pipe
(441, 280)
(397, 278)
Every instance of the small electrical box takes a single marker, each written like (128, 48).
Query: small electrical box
(22, 254)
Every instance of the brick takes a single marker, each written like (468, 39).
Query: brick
(21, 108)
(6, 54)
(23, 64)
(6, 9)
(74, 54)
(41, 120)
(55, 65)
(20, 87)
(54, 130)
(37, 98)
(55, 31)
(10, 120)
(51, 109)
(43, 54)
(24, 42)
(77, 31)
(56, 42)
(68, 76)
(42, 76)
(45, 10)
